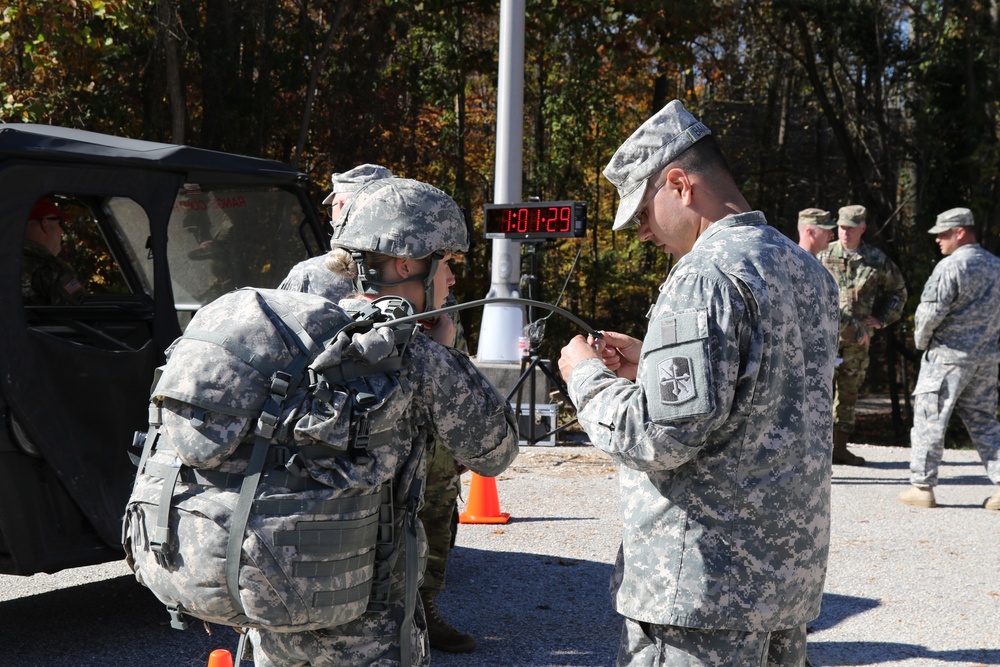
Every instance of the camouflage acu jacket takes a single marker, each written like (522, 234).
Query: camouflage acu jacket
(959, 313)
(870, 284)
(46, 280)
(724, 439)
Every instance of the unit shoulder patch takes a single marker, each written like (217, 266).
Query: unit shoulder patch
(676, 360)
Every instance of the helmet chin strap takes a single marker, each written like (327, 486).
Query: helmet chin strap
(368, 280)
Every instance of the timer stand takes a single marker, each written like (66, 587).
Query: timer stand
(530, 360)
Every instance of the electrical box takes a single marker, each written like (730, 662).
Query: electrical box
(546, 416)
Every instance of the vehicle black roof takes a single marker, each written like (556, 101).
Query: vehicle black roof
(47, 142)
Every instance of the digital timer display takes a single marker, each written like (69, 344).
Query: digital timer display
(536, 220)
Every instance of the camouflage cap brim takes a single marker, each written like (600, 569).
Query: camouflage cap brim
(628, 206)
(354, 179)
(952, 218)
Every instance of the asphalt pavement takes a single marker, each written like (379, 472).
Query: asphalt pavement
(906, 587)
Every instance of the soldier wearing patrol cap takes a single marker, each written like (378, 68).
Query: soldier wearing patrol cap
(396, 237)
(958, 325)
(720, 418)
(347, 183)
(872, 296)
(815, 230)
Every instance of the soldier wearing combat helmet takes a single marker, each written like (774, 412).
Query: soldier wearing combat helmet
(396, 238)
(872, 296)
(443, 472)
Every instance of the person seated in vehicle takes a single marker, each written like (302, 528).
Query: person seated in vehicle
(46, 280)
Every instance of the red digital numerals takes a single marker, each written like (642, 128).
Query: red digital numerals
(551, 220)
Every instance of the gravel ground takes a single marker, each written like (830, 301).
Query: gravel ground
(906, 587)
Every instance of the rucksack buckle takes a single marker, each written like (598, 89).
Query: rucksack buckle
(267, 422)
(280, 383)
(177, 621)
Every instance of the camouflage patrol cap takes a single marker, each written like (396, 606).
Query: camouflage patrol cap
(852, 216)
(953, 217)
(657, 143)
(401, 217)
(816, 217)
(353, 179)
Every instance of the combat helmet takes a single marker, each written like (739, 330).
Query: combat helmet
(404, 218)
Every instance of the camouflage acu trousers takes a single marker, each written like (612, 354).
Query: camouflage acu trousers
(847, 379)
(370, 641)
(440, 501)
(941, 390)
(648, 645)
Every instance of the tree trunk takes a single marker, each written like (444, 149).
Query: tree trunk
(317, 67)
(166, 14)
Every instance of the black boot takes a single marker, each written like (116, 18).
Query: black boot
(443, 637)
(840, 453)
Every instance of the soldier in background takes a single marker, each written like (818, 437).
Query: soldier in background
(872, 296)
(46, 280)
(958, 324)
(311, 275)
(815, 229)
(721, 418)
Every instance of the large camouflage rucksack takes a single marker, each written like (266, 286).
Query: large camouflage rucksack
(255, 502)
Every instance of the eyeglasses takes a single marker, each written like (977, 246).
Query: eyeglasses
(635, 221)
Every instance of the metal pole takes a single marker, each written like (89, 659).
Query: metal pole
(502, 324)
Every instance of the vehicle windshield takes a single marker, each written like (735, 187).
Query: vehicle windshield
(219, 239)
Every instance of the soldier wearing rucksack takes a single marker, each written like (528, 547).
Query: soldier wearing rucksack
(395, 238)
(283, 470)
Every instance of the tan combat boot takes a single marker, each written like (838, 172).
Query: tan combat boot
(918, 497)
(840, 453)
(993, 502)
(443, 637)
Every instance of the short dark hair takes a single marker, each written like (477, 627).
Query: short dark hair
(703, 157)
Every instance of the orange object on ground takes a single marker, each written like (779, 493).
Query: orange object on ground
(220, 657)
(484, 504)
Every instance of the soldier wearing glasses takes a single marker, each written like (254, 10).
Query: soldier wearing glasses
(721, 417)
(46, 280)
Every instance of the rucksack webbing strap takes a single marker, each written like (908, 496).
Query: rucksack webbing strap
(412, 572)
(278, 506)
(147, 450)
(279, 457)
(294, 326)
(159, 541)
(322, 536)
(238, 524)
(329, 568)
(365, 504)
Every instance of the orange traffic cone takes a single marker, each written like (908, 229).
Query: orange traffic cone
(220, 657)
(484, 504)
